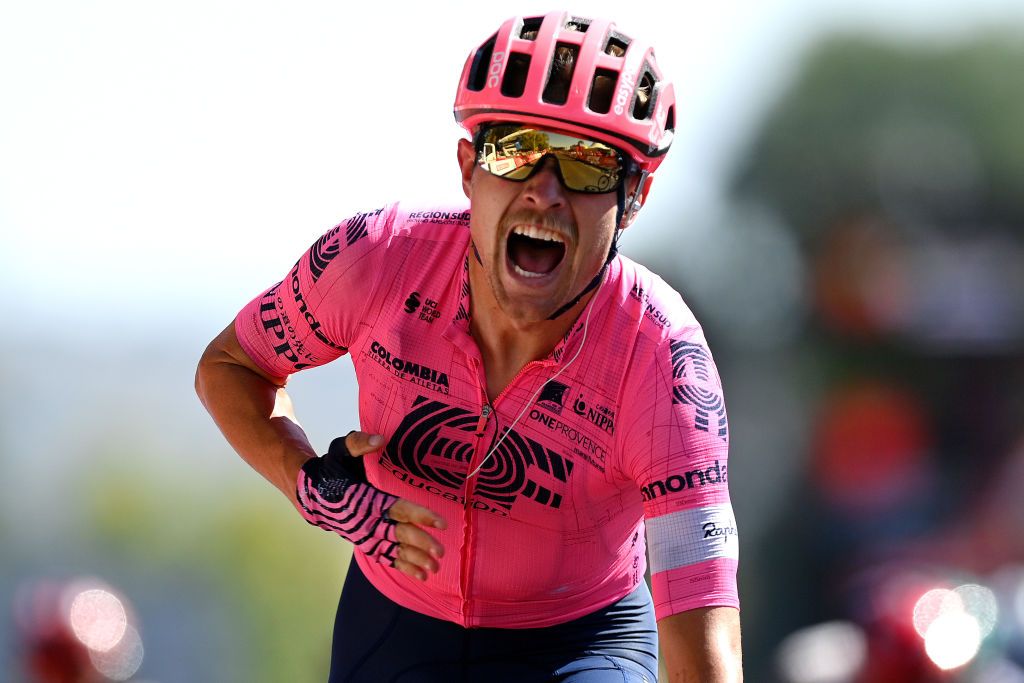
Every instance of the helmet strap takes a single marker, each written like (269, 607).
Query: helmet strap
(621, 216)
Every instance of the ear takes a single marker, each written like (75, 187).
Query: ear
(467, 162)
(632, 211)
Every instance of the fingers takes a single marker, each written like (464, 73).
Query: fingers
(417, 539)
(418, 552)
(415, 562)
(405, 511)
(361, 443)
(410, 569)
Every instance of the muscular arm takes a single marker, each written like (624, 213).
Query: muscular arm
(253, 412)
(702, 646)
(255, 415)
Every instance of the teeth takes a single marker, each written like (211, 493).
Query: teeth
(526, 273)
(538, 233)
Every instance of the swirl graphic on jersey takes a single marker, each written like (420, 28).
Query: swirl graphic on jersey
(435, 442)
(692, 374)
(323, 252)
(356, 228)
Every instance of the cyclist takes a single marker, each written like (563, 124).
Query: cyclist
(538, 414)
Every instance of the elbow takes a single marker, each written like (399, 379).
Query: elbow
(202, 368)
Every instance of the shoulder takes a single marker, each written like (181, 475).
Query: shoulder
(669, 341)
(384, 238)
(398, 220)
(430, 223)
(659, 311)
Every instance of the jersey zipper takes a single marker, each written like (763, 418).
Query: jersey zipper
(480, 452)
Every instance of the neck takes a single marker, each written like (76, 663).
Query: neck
(505, 343)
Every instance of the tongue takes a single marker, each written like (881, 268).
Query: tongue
(535, 256)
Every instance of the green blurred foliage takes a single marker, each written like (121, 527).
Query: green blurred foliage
(863, 102)
(277, 577)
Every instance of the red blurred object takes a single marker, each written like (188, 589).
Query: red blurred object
(870, 447)
(50, 651)
(861, 279)
(896, 655)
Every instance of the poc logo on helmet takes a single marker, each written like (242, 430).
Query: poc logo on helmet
(625, 90)
(494, 71)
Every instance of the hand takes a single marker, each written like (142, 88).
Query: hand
(334, 494)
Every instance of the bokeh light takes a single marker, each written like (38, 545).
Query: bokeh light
(98, 619)
(833, 652)
(953, 622)
(980, 603)
(934, 604)
(953, 640)
(122, 661)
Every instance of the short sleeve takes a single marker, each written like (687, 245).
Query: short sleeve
(311, 316)
(677, 448)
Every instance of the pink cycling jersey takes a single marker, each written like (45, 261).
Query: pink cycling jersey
(552, 526)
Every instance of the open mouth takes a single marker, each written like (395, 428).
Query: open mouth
(533, 251)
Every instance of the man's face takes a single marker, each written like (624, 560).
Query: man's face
(540, 244)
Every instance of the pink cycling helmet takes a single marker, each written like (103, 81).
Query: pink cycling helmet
(579, 75)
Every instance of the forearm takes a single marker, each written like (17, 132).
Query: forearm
(702, 646)
(254, 414)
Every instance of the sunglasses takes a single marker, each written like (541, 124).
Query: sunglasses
(514, 152)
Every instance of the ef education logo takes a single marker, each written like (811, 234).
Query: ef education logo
(434, 445)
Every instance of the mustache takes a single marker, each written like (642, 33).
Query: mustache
(542, 220)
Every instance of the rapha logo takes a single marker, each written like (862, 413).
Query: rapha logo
(552, 396)
(712, 530)
(412, 303)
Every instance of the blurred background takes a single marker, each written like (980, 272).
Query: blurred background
(843, 210)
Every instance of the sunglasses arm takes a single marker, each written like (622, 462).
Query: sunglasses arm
(636, 199)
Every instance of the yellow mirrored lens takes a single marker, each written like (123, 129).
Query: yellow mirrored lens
(513, 151)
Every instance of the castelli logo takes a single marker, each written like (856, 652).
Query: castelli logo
(494, 73)
(625, 90)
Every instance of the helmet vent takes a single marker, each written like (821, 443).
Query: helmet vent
(601, 90)
(560, 77)
(644, 92)
(617, 45)
(670, 120)
(531, 27)
(577, 25)
(514, 82)
(481, 62)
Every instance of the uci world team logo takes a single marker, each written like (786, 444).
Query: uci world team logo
(694, 383)
(432, 447)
